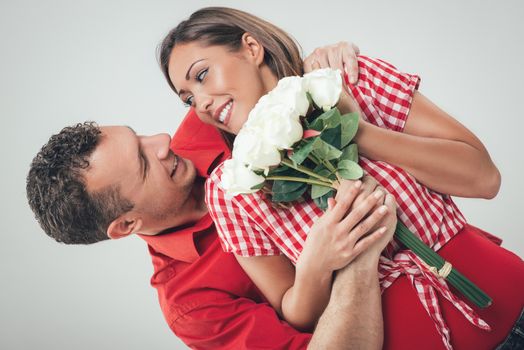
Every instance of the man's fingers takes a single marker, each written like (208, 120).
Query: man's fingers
(390, 201)
(361, 211)
(307, 64)
(368, 241)
(368, 223)
(335, 59)
(350, 63)
(345, 196)
(331, 203)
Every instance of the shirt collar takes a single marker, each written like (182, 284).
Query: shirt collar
(201, 143)
(179, 244)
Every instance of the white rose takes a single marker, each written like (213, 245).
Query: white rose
(276, 123)
(250, 148)
(290, 91)
(324, 86)
(237, 178)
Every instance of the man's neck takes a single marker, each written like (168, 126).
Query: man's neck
(198, 192)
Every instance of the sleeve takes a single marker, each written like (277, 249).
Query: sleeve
(384, 93)
(237, 324)
(237, 231)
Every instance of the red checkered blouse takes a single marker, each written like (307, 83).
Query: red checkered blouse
(249, 225)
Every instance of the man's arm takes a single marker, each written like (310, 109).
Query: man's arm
(237, 323)
(353, 317)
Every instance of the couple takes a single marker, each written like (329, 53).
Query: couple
(92, 183)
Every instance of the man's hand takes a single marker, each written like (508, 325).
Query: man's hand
(342, 55)
(389, 220)
(340, 234)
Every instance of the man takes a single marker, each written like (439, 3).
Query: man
(90, 184)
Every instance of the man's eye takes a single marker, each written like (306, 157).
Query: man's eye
(201, 75)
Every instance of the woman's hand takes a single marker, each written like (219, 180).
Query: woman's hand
(341, 234)
(342, 55)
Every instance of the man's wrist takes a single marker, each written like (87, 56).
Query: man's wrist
(357, 276)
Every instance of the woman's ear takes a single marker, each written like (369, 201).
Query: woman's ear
(123, 226)
(253, 48)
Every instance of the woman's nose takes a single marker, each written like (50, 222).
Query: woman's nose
(203, 104)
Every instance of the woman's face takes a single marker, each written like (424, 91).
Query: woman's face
(221, 85)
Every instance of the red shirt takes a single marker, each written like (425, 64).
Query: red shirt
(210, 303)
(207, 299)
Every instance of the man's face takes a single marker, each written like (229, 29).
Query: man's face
(148, 173)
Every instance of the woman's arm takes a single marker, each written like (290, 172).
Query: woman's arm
(300, 299)
(334, 240)
(436, 149)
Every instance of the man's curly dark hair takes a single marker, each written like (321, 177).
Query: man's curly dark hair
(57, 193)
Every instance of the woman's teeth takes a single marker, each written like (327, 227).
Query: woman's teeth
(224, 112)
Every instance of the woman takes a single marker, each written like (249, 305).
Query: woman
(221, 61)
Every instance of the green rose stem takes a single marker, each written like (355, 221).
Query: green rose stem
(326, 163)
(306, 171)
(402, 233)
(300, 179)
(404, 236)
(430, 257)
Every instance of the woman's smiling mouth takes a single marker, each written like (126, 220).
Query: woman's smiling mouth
(224, 113)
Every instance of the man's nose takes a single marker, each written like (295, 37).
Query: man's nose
(158, 143)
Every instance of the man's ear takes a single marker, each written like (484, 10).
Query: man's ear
(255, 50)
(123, 226)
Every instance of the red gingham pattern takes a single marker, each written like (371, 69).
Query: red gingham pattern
(249, 225)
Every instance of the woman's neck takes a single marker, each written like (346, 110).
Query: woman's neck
(269, 78)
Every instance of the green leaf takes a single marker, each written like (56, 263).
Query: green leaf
(289, 196)
(349, 170)
(332, 136)
(326, 120)
(349, 127)
(283, 170)
(301, 153)
(324, 150)
(259, 186)
(282, 186)
(321, 202)
(318, 191)
(350, 153)
(323, 171)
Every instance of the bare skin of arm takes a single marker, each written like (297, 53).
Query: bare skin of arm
(436, 149)
(300, 295)
(353, 317)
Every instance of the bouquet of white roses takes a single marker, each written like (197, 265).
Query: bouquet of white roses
(296, 139)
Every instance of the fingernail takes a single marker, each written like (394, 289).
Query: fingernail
(353, 78)
(378, 194)
(382, 209)
(358, 184)
(382, 229)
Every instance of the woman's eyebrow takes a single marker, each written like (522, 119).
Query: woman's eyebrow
(191, 66)
(182, 91)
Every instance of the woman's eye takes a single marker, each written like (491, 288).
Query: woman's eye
(189, 101)
(201, 75)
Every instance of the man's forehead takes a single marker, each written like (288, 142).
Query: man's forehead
(114, 159)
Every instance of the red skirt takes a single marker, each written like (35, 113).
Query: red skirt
(497, 271)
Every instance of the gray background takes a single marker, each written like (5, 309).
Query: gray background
(63, 62)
